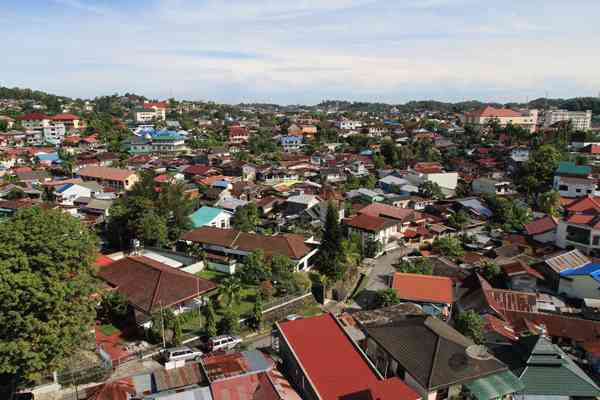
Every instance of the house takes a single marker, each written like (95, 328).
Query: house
(491, 186)
(297, 204)
(434, 293)
(332, 175)
(552, 265)
(211, 216)
(545, 370)
(434, 359)
(432, 172)
(236, 244)
(238, 134)
(324, 363)
(526, 119)
(371, 229)
(581, 283)
(149, 286)
(406, 217)
(291, 143)
(66, 194)
(115, 178)
(542, 230)
(69, 121)
(581, 227)
(521, 276)
(572, 180)
(35, 121)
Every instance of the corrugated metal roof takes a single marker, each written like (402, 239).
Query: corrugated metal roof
(568, 260)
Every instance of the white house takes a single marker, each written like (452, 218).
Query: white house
(68, 193)
(491, 186)
(573, 180)
(211, 216)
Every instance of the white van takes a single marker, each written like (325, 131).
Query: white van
(182, 353)
(223, 342)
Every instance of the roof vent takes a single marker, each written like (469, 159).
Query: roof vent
(478, 352)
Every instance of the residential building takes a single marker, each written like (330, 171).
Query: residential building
(581, 226)
(211, 216)
(159, 109)
(580, 120)
(581, 283)
(238, 134)
(149, 286)
(324, 363)
(69, 121)
(115, 178)
(371, 229)
(542, 230)
(572, 180)
(54, 134)
(35, 121)
(435, 294)
(348, 124)
(68, 193)
(236, 244)
(291, 143)
(520, 276)
(491, 186)
(526, 119)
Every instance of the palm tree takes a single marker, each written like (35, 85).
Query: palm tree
(230, 291)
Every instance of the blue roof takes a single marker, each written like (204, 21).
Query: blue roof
(477, 206)
(591, 269)
(366, 152)
(64, 187)
(204, 215)
(221, 184)
(291, 139)
(47, 156)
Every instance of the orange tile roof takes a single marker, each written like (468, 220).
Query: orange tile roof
(429, 288)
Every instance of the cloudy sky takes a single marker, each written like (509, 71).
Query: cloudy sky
(303, 51)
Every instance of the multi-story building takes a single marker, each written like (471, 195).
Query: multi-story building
(115, 178)
(573, 180)
(580, 120)
(526, 119)
(159, 108)
(291, 143)
(348, 124)
(35, 121)
(54, 133)
(238, 134)
(581, 226)
(69, 121)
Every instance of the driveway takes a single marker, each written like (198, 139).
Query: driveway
(378, 278)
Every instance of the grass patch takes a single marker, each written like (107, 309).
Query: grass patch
(311, 310)
(109, 329)
(211, 275)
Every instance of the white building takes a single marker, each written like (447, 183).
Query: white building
(348, 124)
(54, 133)
(491, 186)
(580, 120)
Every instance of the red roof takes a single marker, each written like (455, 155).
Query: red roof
(261, 386)
(490, 112)
(102, 261)
(585, 204)
(198, 169)
(384, 210)
(149, 284)
(428, 167)
(427, 288)
(335, 366)
(65, 117)
(499, 326)
(541, 225)
(106, 173)
(520, 268)
(160, 104)
(117, 390)
(367, 223)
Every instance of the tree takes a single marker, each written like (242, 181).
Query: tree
(177, 333)
(448, 246)
(458, 220)
(246, 217)
(230, 323)
(431, 190)
(490, 270)
(255, 269)
(542, 164)
(549, 203)
(210, 319)
(421, 265)
(152, 230)
(113, 307)
(378, 161)
(282, 271)
(3, 125)
(46, 286)
(385, 298)
(463, 189)
(230, 291)
(471, 324)
(257, 313)
(329, 259)
(372, 248)
(266, 290)
(301, 282)
(15, 194)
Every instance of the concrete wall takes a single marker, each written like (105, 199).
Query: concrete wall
(580, 287)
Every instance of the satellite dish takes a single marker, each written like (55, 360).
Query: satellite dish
(478, 352)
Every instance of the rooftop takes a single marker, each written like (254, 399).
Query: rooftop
(426, 288)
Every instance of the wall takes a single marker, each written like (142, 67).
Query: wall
(580, 287)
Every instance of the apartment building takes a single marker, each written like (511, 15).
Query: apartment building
(526, 119)
(580, 120)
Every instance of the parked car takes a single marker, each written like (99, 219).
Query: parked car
(293, 317)
(223, 342)
(182, 353)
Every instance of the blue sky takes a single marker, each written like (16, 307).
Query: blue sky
(303, 51)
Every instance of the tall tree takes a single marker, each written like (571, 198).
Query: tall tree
(46, 308)
(471, 324)
(330, 259)
(549, 203)
(246, 217)
(210, 319)
(230, 291)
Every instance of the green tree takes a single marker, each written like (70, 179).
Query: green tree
(448, 246)
(431, 190)
(301, 282)
(421, 265)
(210, 319)
(246, 217)
(385, 298)
(458, 220)
(471, 324)
(46, 286)
(257, 313)
(378, 161)
(255, 269)
(282, 270)
(3, 125)
(230, 323)
(152, 230)
(542, 164)
(490, 270)
(113, 307)
(372, 248)
(549, 203)
(329, 260)
(177, 333)
(230, 291)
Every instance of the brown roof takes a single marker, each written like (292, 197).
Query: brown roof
(149, 284)
(290, 245)
(108, 173)
(541, 225)
(427, 288)
(384, 210)
(368, 223)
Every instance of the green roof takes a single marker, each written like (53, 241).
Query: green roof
(203, 216)
(495, 386)
(570, 168)
(549, 371)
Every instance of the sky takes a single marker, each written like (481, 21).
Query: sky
(303, 51)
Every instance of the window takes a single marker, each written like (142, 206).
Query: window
(563, 187)
(595, 240)
(578, 190)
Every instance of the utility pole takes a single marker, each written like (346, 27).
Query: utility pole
(162, 318)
